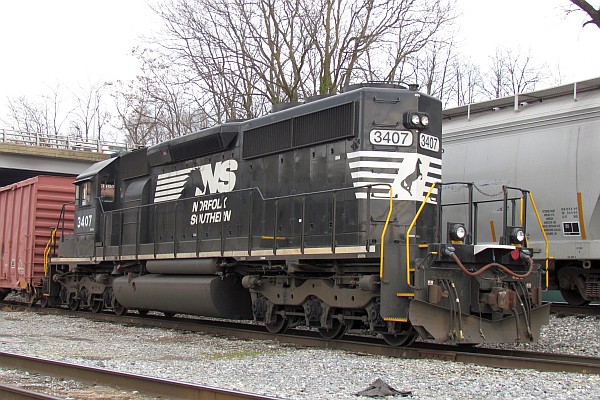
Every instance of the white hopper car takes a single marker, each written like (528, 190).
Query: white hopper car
(548, 142)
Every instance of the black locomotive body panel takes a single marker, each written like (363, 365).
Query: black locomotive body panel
(289, 180)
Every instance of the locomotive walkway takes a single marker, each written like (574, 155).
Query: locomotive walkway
(24, 155)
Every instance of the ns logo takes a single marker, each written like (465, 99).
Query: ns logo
(206, 180)
(196, 181)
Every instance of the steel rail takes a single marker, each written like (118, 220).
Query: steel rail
(590, 310)
(143, 384)
(544, 362)
(15, 393)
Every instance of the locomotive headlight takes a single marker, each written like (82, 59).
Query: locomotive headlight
(516, 234)
(416, 120)
(456, 232)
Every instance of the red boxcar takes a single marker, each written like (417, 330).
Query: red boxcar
(28, 211)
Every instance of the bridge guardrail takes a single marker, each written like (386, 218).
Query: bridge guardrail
(61, 142)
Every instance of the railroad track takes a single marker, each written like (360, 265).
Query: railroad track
(545, 362)
(591, 310)
(161, 388)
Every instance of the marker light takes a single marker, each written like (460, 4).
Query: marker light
(456, 232)
(516, 234)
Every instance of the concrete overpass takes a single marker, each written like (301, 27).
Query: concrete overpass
(24, 155)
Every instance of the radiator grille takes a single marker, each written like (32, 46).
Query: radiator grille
(306, 130)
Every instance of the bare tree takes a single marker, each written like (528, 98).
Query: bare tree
(45, 116)
(511, 73)
(137, 115)
(589, 9)
(159, 105)
(244, 55)
(433, 69)
(468, 86)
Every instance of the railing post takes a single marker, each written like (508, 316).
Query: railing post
(333, 217)
(504, 215)
(302, 239)
(250, 217)
(470, 213)
(275, 226)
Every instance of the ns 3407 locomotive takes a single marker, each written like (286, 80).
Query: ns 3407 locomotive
(326, 214)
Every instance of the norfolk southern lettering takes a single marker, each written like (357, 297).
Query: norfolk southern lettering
(210, 211)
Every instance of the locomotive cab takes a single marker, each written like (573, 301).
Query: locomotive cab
(95, 194)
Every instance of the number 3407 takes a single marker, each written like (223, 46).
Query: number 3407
(84, 221)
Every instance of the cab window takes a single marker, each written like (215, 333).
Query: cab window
(107, 189)
(83, 195)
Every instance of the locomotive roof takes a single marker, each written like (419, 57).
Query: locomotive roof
(94, 169)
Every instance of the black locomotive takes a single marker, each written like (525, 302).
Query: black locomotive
(326, 214)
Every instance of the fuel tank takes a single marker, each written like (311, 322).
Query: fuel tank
(209, 296)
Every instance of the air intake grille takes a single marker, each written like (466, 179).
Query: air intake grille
(324, 126)
(196, 148)
(268, 139)
(306, 130)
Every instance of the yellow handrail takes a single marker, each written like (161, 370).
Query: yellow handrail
(47, 250)
(387, 221)
(412, 224)
(537, 214)
(521, 208)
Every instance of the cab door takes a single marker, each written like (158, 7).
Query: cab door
(86, 215)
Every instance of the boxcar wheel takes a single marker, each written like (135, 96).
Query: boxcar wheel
(573, 297)
(44, 302)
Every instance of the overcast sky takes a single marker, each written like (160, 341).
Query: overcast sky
(75, 43)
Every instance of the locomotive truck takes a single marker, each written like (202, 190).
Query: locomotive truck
(547, 141)
(325, 214)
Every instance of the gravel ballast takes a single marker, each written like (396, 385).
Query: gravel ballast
(267, 367)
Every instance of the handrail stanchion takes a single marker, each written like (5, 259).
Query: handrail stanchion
(384, 231)
(537, 214)
(412, 224)
(333, 217)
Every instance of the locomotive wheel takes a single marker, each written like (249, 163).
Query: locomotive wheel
(73, 302)
(44, 302)
(119, 309)
(399, 340)
(337, 330)
(97, 306)
(405, 338)
(279, 326)
(573, 297)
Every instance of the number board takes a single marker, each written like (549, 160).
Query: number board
(429, 142)
(391, 137)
